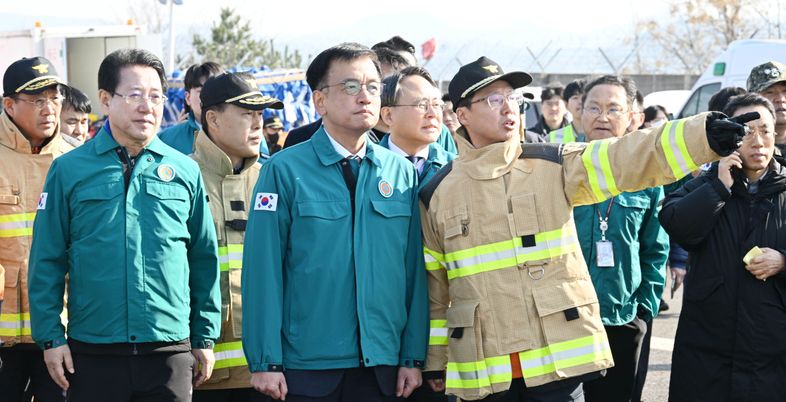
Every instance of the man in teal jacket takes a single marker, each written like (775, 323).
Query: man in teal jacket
(329, 314)
(412, 109)
(181, 136)
(624, 246)
(126, 219)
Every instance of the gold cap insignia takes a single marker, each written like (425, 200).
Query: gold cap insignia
(492, 69)
(41, 68)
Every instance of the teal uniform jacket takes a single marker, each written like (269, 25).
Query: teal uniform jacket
(437, 159)
(641, 248)
(304, 255)
(181, 136)
(142, 263)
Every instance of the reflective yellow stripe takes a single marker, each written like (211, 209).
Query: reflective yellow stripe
(438, 332)
(434, 260)
(230, 257)
(16, 225)
(479, 374)
(563, 135)
(17, 217)
(601, 178)
(564, 355)
(15, 324)
(229, 354)
(672, 139)
(510, 253)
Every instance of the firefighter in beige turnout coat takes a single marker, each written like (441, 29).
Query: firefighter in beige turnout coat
(510, 293)
(228, 158)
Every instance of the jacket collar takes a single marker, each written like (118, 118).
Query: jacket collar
(489, 162)
(12, 138)
(214, 159)
(105, 142)
(327, 154)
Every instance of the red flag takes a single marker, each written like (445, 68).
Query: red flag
(428, 48)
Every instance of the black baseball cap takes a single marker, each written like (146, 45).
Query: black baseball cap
(231, 88)
(273, 122)
(29, 76)
(479, 74)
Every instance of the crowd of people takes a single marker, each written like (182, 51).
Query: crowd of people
(410, 244)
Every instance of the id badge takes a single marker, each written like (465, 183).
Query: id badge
(604, 254)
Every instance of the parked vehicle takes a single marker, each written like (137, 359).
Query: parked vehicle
(731, 68)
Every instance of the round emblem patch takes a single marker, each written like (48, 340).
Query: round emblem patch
(385, 188)
(166, 172)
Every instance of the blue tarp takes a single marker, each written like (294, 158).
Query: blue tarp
(296, 95)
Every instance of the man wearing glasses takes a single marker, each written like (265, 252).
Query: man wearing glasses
(629, 281)
(125, 217)
(412, 108)
(28, 143)
(510, 295)
(333, 284)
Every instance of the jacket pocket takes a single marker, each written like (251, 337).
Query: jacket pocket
(392, 209)
(166, 191)
(9, 199)
(464, 333)
(568, 311)
(467, 363)
(456, 222)
(525, 214)
(329, 210)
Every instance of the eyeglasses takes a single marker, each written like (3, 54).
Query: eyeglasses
(353, 87)
(751, 133)
(137, 98)
(424, 105)
(612, 112)
(40, 103)
(496, 101)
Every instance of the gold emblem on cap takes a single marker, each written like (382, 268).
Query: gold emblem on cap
(492, 69)
(252, 82)
(41, 68)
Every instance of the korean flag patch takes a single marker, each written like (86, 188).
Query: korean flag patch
(42, 201)
(265, 202)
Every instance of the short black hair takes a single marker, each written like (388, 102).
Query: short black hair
(198, 72)
(75, 99)
(318, 69)
(721, 98)
(446, 98)
(748, 99)
(550, 92)
(391, 57)
(391, 89)
(575, 87)
(627, 84)
(651, 112)
(396, 43)
(109, 71)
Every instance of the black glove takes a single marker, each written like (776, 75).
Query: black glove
(725, 134)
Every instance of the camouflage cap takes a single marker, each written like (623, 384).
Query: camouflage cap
(765, 75)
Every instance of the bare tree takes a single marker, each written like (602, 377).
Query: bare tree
(699, 30)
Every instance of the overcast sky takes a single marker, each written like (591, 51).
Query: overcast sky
(506, 30)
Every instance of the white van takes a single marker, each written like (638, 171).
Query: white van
(731, 69)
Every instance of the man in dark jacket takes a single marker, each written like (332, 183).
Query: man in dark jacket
(731, 338)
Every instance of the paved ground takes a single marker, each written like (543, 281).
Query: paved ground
(657, 387)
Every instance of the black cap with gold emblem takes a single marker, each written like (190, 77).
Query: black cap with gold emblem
(29, 76)
(231, 88)
(481, 73)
